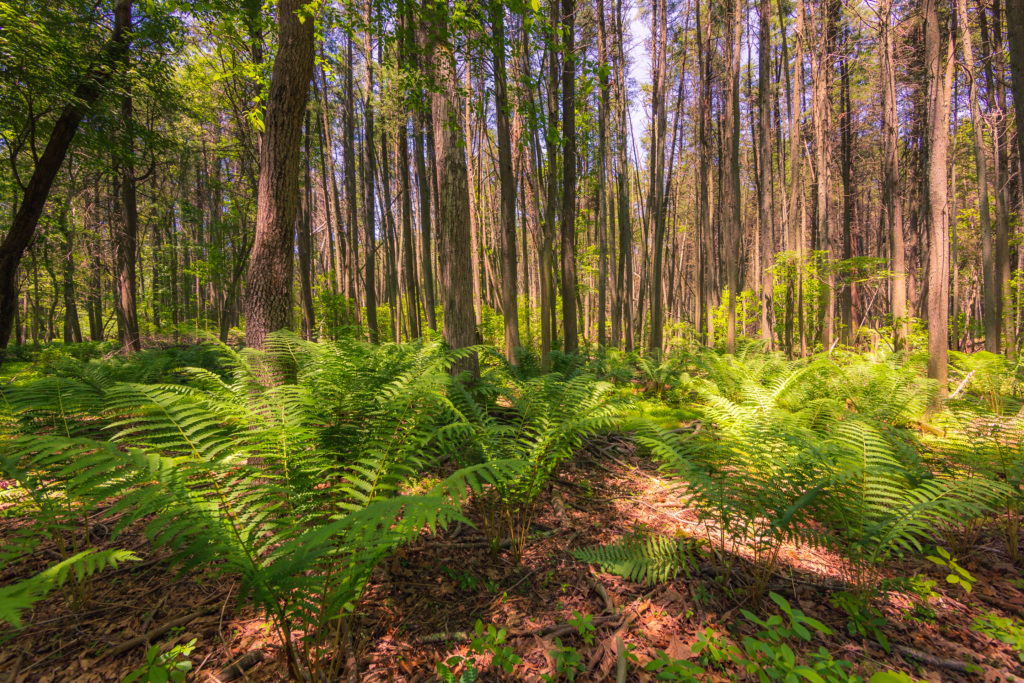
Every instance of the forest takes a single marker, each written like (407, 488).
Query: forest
(511, 340)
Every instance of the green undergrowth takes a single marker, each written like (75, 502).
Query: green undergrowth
(300, 468)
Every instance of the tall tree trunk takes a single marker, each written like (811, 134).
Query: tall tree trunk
(990, 311)
(659, 33)
(268, 295)
(765, 153)
(126, 235)
(703, 184)
(72, 329)
(846, 172)
(625, 272)
(369, 170)
(568, 217)
(731, 149)
(509, 271)
(305, 242)
(453, 190)
(892, 195)
(602, 192)
(348, 144)
(939, 64)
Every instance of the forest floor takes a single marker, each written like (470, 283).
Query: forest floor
(421, 602)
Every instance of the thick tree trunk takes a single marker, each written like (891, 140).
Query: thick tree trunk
(939, 68)
(72, 329)
(453, 207)
(659, 33)
(268, 295)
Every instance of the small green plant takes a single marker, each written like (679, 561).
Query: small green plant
(712, 649)
(584, 625)
(1004, 629)
(643, 558)
(776, 629)
(172, 665)
(446, 670)
(568, 663)
(865, 619)
(466, 581)
(665, 668)
(494, 640)
(922, 587)
(958, 575)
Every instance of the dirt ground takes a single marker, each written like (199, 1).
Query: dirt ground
(422, 600)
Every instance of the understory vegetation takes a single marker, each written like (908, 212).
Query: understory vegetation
(300, 471)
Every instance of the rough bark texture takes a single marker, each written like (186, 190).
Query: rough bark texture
(570, 334)
(268, 296)
(369, 171)
(939, 66)
(891, 195)
(989, 307)
(126, 236)
(731, 151)
(765, 211)
(509, 271)
(453, 200)
(37, 190)
(657, 183)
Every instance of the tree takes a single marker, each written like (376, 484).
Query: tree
(509, 271)
(765, 211)
(268, 292)
(939, 63)
(731, 163)
(570, 340)
(48, 165)
(453, 193)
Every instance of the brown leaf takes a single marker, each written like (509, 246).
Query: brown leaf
(677, 649)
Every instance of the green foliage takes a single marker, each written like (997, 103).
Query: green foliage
(1004, 629)
(17, 597)
(539, 423)
(172, 665)
(958, 576)
(865, 619)
(247, 478)
(640, 558)
(568, 663)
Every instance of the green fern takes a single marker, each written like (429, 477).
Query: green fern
(647, 559)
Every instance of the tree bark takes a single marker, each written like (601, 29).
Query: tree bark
(939, 68)
(892, 195)
(268, 295)
(570, 333)
(453, 191)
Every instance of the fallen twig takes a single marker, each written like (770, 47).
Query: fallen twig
(621, 664)
(609, 606)
(933, 660)
(234, 671)
(133, 643)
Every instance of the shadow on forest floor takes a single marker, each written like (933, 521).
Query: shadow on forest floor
(421, 602)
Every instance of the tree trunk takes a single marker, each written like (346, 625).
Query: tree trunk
(731, 149)
(765, 154)
(892, 196)
(268, 295)
(939, 65)
(305, 241)
(990, 308)
(568, 217)
(453, 190)
(369, 170)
